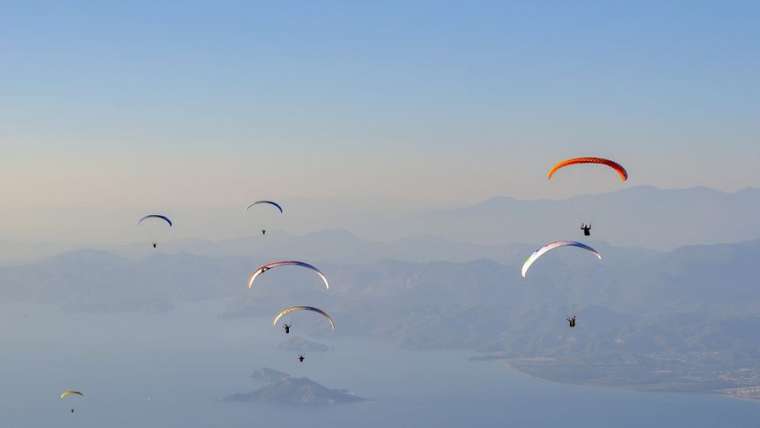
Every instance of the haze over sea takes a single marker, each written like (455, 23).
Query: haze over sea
(172, 370)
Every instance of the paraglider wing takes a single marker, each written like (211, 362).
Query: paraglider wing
(272, 203)
(551, 246)
(157, 216)
(286, 311)
(271, 265)
(584, 160)
(71, 393)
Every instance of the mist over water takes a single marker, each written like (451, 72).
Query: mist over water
(171, 370)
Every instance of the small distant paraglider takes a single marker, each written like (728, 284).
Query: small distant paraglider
(70, 393)
(159, 218)
(619, 169)
(287, 328)
(292, 309)
(270, 203)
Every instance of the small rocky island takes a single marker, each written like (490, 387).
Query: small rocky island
(282, 389)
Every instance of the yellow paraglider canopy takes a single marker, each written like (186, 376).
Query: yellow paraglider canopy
(70, 393)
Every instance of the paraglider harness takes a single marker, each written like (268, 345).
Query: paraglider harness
(571, 320)
(586, 228)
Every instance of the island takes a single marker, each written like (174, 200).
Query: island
(282, 389)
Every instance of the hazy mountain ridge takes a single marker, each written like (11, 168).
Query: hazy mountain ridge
(642, 216)
(683, 319)
(334, 246)
(678, 321)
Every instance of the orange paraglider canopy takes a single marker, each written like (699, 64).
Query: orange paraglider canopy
(601, 161)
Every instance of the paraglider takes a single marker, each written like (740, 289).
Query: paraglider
(291, 309)
(622, 173)
(551, 246)
(70, 393)
(156, 217)
(571, 321)
(287, 328)
(268, 266)
(586, 228)
(270, 203)
(301, 358)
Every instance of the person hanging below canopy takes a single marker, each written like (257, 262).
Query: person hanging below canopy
(571, 321)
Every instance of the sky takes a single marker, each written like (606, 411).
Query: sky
(114, 109)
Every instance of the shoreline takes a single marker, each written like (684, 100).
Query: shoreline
(742, 393)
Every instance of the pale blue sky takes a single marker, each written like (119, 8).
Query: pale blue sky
(200, 105)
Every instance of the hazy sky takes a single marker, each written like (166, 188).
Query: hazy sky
(109, 110)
